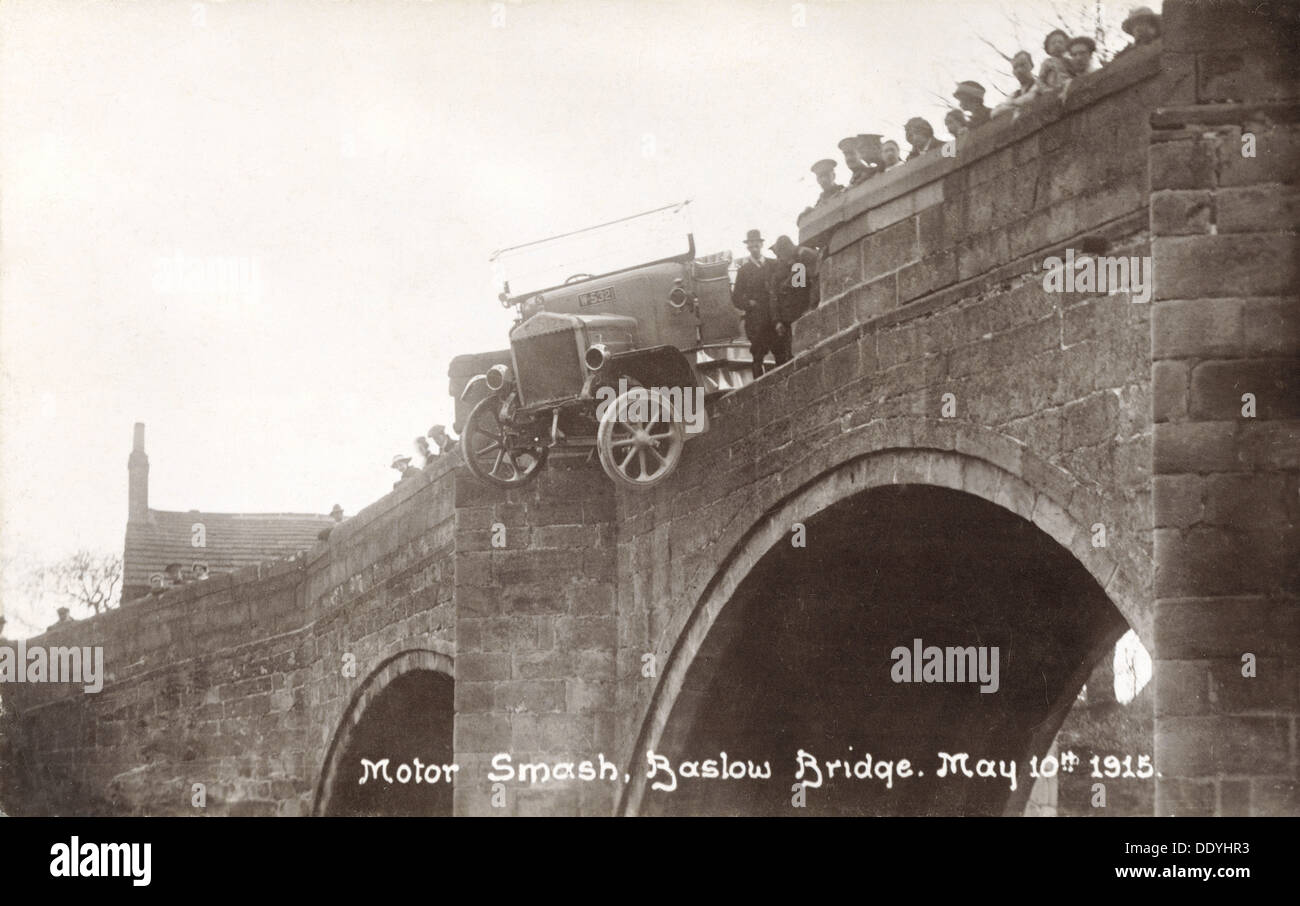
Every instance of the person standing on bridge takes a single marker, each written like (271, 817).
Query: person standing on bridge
(1055, 73)
(794, 277)
(1080, 54)
(825, 171)
(752, 296)
(1022, 65)
(849, 148)
(1144, 26)
(920, 135)
(955, 122)
(889, 155)
(970, 95)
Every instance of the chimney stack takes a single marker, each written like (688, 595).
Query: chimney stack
(137, 467)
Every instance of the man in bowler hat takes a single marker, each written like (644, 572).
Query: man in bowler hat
(753, 297)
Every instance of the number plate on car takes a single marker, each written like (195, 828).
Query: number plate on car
(596, 297)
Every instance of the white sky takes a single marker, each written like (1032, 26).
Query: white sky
(363, 160)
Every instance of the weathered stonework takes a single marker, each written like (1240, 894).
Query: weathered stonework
(1073, 411)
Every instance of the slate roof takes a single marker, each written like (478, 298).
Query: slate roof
(232, 540)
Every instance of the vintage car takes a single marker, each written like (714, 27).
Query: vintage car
(622, 335)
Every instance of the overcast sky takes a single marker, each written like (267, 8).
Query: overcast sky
(357, 163)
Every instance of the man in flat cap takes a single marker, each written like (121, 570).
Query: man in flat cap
(852, 149)
(870, 150)
(752, 295)
(825, 171)
(920, 135)
(970, 96)
(794, 283)
(1079, 54)
(446, 443)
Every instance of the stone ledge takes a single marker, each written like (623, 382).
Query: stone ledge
(1128, 227)
(1000, 133)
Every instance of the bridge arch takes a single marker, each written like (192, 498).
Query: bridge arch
(702, 634)
(417, 682)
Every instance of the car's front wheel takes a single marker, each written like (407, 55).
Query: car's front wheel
(640, 438)
(495, 452)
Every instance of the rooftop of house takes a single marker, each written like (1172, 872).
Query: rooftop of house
(222, 542)
(183, 546)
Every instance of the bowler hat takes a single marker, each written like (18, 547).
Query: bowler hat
(1139, 13)
(1084, 40)
(825, 165)
(753, 236)
(1055, 31)
(917, 122)
(969, 89)
(400, 461)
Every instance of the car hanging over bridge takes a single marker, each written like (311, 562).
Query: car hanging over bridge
(621, 336)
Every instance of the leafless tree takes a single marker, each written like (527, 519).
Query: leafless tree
(85, 579)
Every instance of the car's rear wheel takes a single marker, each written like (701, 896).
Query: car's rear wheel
(640, 438)
(495, 452)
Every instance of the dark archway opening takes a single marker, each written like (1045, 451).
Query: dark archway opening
(800, 658)
(410, 719)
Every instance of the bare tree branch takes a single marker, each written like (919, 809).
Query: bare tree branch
(85, 580)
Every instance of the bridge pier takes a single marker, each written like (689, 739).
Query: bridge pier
(1224, 329)
(536, 636)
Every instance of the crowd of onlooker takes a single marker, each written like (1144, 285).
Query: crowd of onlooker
(1068, 58)
(430, 454)
(772, 292)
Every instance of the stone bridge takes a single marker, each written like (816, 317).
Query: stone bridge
(955, 455)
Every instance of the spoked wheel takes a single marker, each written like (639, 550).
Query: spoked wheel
(640, 439)
(495, 453)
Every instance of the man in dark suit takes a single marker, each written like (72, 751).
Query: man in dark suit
(752, 295)
(794, 280)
